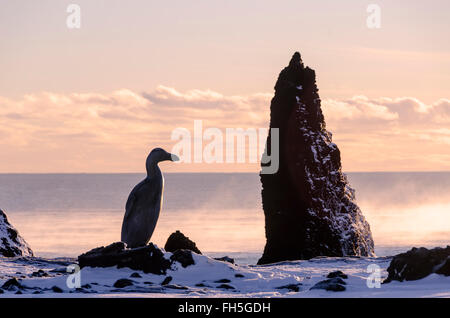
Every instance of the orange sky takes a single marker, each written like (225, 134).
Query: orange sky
(99, 98)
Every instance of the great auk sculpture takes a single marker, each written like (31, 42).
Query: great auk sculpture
(145, 202)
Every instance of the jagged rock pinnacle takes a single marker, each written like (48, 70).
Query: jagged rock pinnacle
(309, 206)
(296, 60)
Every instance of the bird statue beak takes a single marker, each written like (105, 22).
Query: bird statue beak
(174, 157)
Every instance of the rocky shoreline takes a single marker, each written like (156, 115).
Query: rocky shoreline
(11, 243)
(181, 270)
(112, 270)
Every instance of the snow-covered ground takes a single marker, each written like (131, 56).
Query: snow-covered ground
(212, 278)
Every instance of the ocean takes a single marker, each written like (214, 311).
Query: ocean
(64, 215)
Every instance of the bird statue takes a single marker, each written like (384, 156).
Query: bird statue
(145, 202)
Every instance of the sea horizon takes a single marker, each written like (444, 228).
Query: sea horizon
(223, 172)
(220, 211)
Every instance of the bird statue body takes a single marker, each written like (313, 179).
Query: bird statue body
(145, 202)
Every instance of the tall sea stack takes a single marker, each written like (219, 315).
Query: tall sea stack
(308, 204)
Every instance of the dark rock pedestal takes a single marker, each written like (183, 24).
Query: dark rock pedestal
(149, 258)
(418, 263)
(11, 243)
(308, 204)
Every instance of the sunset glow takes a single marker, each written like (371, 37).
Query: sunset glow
(98, 98)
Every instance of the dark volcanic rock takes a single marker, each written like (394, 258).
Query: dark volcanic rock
(56, 289)
(223, 280)
(166, 280)
(418, 263)
(225, 259)
(123, 282)
(184, 257)
(12, 285)
(332, 284)
(291, 287)
(149, 258)
(309, 207)
(135, 275)
(225, 286)
(11, 243)
(337, 274)
(178, 241)
(39, 273)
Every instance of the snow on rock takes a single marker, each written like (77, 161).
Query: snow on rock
(11, 243)
(418, 263)
(212, 278)
(309, 206)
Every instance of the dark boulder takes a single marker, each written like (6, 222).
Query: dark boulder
(333, 284)
(166, 280)
(123, 282)
(178, 241)
(291, 287)
(135, 275)
(225, 286)
(418, 263)
(225, 259)
(57, 289)
(339, 274)
(223, 280)
(39, 273)
(308, 204)
(12, 285)
(149, 258)
(184, 257)
(11, 243)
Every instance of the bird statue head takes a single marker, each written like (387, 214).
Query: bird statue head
(158, 155)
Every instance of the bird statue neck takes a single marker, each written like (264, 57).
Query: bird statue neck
(153, 170)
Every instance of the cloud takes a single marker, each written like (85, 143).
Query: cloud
(406, 110)
(384, 133)
(195, 100)
(112, 132)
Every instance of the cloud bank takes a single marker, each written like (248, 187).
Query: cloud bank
(91, 132)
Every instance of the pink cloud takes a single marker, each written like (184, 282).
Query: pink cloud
(113, 132)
